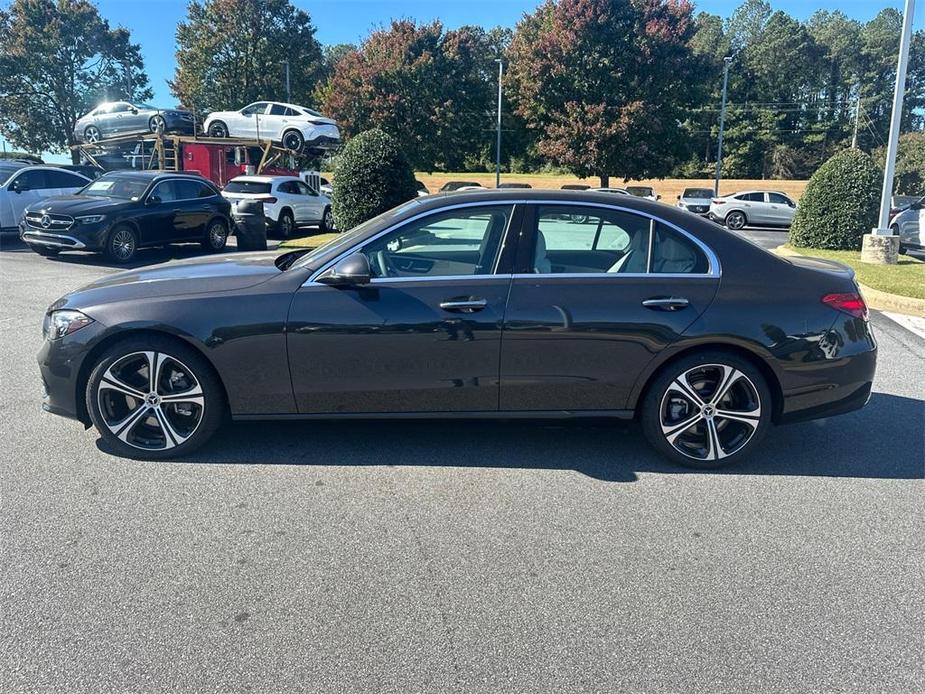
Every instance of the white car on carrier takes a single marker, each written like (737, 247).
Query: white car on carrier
(288, 202)
(296, 128)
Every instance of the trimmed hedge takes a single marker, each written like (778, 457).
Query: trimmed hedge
(371, 176)
(840, 205)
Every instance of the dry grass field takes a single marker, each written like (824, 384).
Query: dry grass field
(668, 188)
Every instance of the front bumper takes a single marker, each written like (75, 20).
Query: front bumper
(61, 365)
(78, 237)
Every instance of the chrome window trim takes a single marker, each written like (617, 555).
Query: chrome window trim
(482, 203)
(715, 268)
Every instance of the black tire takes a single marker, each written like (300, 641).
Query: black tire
(92, 134)
(736, 220)
(169, 428)
(46, 251)
(327, 220)
(216, 236)
(218, 129)
(293, 140)
(122, 244)
(665, 410)
(157, 124)
(285, 225)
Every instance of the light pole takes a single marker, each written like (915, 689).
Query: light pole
(881, 246)
(722, 126)
(288, 94)
(498, 143)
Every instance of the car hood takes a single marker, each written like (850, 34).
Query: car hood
(218, 274)
(74, 205)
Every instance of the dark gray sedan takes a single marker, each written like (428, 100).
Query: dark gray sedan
(123, 118)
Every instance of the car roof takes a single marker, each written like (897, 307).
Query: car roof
(265, 179)
(156, 175)
(44, 167)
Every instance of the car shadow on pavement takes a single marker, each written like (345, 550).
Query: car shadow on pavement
(11, 243)
(885, 440)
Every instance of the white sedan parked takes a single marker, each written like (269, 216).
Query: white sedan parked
(288, 202)
(20, 186)
(753, 207)
(294, 127)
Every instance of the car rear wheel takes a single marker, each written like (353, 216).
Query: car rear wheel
(218, 129)
(735, 220)
(216, 236)
(327, 220)
(92, 134)
(285, 225)
(122, 244)
(293, 140)
(707, 410)
(157, 124)
(154, 398)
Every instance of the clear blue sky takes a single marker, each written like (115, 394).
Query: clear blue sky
(153, 22)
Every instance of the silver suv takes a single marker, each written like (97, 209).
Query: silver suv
(910, 226)
(754, 208)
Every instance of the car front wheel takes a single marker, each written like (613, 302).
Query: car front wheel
(707, 410)
(154, 398)
(327, 220)
(122, 244)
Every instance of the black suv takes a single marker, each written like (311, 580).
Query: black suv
(123, 211)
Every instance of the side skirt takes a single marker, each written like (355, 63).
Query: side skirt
(512, 414)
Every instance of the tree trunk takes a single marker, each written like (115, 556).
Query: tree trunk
(75, 156)
(605, 180)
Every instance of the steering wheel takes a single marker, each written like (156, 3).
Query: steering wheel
(383, 266)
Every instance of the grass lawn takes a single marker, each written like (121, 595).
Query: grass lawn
(312, 241)
(906, 278)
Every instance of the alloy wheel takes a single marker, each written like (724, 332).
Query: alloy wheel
(158, 124)
(150, 400)
(710, 412)
(92, 134)
(218, 130)
(123, 244)
(328, 221)
(286, 225)
(217, 235)
(293, 141)
(735, 220)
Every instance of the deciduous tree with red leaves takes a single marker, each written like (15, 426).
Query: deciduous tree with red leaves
(605, 84)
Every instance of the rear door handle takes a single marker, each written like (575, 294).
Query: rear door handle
(666, 303)
(464, 305)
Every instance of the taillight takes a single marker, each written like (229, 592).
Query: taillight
(268, 200)
(851, 303)
(717, 201)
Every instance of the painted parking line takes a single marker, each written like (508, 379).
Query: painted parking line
(913, 324)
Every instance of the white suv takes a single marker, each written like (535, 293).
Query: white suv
(20, 186)
(753, 207)
(288, 202)
(294, 127)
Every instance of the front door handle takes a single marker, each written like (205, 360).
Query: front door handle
(464, 304)
(666, 303)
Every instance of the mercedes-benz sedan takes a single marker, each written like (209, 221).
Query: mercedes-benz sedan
(485, 304)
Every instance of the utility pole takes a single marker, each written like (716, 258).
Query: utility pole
(498, 143)
(881, 246)
(722, 125)
(288, 93)
(857, 122)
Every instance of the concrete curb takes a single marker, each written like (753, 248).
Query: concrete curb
(876, 299)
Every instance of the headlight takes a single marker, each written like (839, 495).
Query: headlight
(60, 323)
(90, 218)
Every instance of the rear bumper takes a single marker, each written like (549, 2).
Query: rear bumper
(842, 385)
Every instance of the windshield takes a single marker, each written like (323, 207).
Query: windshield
(257, 187)
(347, 238)
(700, 193)
(122, 187)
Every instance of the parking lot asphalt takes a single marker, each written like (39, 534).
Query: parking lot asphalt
(461, 556)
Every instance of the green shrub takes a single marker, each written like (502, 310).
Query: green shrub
(371, 176)
(910, 164)
(840, 205)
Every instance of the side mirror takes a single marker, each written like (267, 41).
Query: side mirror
(658, 196)
(352, 270)
(134, 110)
(679, 197)
(153, 200)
